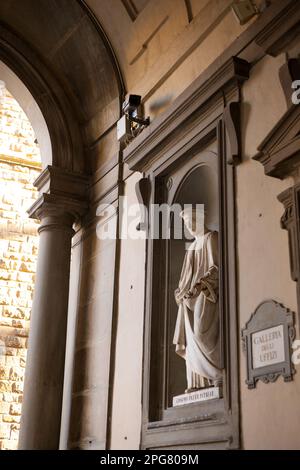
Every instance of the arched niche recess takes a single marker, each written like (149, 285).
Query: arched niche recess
(199, 185)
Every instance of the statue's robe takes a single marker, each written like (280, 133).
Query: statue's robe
(197, 327)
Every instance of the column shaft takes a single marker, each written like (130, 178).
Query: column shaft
(41, 411)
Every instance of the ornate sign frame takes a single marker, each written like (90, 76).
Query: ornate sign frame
(267, 315)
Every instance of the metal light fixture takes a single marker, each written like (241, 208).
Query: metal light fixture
(132, 123)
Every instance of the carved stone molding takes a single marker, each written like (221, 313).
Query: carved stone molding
(281, 30)
(290, 221)
(143, 190)
(213, 91)
(279, 152)
(232, 124)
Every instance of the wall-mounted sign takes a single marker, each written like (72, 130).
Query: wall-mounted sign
(267, 339)
(268, 347)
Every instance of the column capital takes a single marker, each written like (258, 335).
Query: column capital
(62, 194)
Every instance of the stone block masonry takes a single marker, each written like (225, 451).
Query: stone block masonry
(19, 167)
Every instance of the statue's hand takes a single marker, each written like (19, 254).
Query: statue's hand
(178, 299)
(189, 294)
(209, 289)
(194, 292)
(197, 289)
(205, 290)
(200, 287)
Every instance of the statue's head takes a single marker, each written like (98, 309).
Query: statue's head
(194, 220)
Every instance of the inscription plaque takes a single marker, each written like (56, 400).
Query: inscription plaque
(199, 395)
(267, 340)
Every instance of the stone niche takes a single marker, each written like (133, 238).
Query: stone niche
(188, 156)
(196, 182)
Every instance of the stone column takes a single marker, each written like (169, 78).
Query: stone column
(42, 403)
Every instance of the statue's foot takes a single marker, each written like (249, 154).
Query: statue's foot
(190, 390)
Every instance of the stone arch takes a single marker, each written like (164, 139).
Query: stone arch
(70, 70)
(64, 132)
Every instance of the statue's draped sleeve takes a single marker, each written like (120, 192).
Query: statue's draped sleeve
(209, 282)
(181, 291)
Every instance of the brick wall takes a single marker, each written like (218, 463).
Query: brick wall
(19, 167)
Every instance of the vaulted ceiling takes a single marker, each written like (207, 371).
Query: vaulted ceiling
(86, 41)
(59, 50)
(97, 50)
(71, 45)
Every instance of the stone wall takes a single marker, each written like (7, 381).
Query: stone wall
(263, 261)
(19, 167)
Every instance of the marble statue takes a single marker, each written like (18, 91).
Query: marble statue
(197, 327)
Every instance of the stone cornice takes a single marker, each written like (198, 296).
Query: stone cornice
(279, 152)
(271, 33)
(213, 83)
(282, 29)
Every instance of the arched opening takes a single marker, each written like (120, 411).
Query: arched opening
(20, 165)
(71, 72)
(31, 109)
